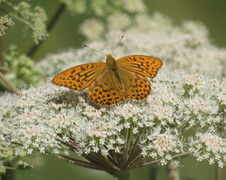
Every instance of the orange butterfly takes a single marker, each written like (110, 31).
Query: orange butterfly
(114, 81)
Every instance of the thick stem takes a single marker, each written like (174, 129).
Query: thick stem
(50, 25)
(172, 172)
(217, 172)
(153, 172)
(123, 175)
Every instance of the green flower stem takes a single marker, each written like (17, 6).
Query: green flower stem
(127, 137)
(110, 163)
(153, 172)
(134, 151)
(123, 175)
(94, 158)
(80, 162)
(20, 19)
(217, 172)
(50, 25)
(10, 84)
(151, 161)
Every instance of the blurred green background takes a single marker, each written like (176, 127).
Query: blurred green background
(65, 34)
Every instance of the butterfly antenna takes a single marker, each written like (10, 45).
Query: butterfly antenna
(117, 44)
(95, 50)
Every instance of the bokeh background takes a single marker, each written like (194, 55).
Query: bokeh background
(65, 34)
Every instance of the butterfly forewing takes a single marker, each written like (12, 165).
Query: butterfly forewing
(143, 65)
(79, 77)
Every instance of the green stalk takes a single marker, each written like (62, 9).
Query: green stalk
(217, 172)
(80, 162)
(151, 162)
(153, 172)
(123, 175)
(125, 154)
(132, 154)
(10, 84)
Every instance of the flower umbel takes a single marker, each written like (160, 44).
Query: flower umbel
(53, 119)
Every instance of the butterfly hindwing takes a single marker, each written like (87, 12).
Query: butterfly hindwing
(143, 65)
(106, 90)
(79, 77)
(140, 88)
(136, 86)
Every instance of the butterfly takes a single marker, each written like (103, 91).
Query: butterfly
(114, 81)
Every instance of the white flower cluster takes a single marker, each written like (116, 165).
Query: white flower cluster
(47, 116)
(209, 146)
(162, 145)
(185, 47)
(180, 47)
(95, 31)
(9, 152)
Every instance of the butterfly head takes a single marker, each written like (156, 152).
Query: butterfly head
(111, 62)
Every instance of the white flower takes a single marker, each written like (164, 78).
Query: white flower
(119, 21)
(214, 143)
(128, 111)
(92, 28)
(162, 143)
(134, 5)
(209, 146)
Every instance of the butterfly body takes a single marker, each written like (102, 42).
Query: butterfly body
(111, 62)
(114, 81)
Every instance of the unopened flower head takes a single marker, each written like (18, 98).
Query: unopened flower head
(5, 23)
